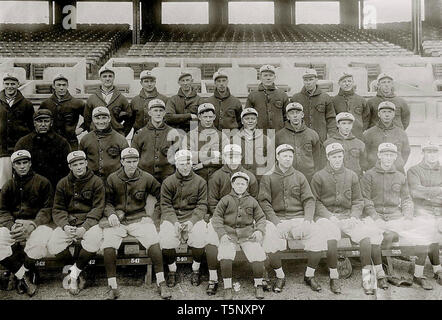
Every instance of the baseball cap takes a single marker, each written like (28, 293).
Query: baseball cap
(387, 146)
(105, 69)
(100, 111)
(386, 105)
(240, 174)
(310, 72)
(129, 153)
(232, 148)
(428, 146)
(334, 148)
(344, 75)
(59, 77)
(383, 75)
(183, 154)
(10, 76)
(267, 67)
(219, 74)
(20, 155)
(284, 147)
(294, 106)
(42, 113)
(249, 111)
(206, 106)
(184, 74)
(156, 103)
(76, 155)
(146, 74)
(344, 116)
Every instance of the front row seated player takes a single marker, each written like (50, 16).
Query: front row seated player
(183, 207)
(78, 206)
(25, 211)
(339, 199)
(289, 205)
(127, 190)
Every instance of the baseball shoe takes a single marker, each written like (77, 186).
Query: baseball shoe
(266, 285)
(312, 283)
(20, 287)
(112, 294)
(259, 292)
(228, 294)
(335, 286)
(438, 277)
(30, 288)
(383, 283)
(423, 282)
(195, 279)
(12, 282)
(279, 284)
(171, 279)
(163, 289)
(212, 287)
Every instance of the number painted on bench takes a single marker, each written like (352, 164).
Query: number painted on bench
(40, 263)
(92, 261)
(135, 260)
(396, 251)
(181, 259)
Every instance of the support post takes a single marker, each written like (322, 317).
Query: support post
(136, 22)
(416, 25)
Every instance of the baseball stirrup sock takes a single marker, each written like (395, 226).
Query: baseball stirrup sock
(376, 254)
(12, 263)
(258, 269)
(155, 254)
(110, 262)
(227, 283)
(226, 268)
(211, 255)
(279, 273)
(112, 282)
(313, 259)
(197, 254)
(275, 260)
(83, 258)
(433, 254)
(213, 275)
(365, 250)
(332, 254)
(169, 256)
(160, 277)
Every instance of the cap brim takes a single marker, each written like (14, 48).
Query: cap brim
(76, 159)
(333, 152)
(184, 75)
(56, 79)
(21, 158)
(43, 116)
(157, 106)
(388, 150)
(285, 149)
(11, 78)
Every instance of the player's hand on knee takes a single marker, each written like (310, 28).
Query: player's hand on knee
(256, 236)
(113, 220)
(187, 226)
(70, 230)
(79, 232)
(282, 230)
(18, 232)
(178, 228)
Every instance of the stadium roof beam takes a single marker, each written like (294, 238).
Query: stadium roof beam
(218, 11)
(416, 25)
(150, 12)
(349, 12)
(284, 11)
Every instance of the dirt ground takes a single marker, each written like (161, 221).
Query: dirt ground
(131, 285)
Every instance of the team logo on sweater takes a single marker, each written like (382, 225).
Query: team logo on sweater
(278, 104)
(354, 152)
(87, 194)
(113, 151)
(347, 194)
(308, 147)
(249, 210)
(396, 187)
(296, 191)
(358, 110)
(139, 195)
(320, 108)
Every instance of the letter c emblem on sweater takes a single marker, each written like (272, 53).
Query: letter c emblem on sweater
(396, 187)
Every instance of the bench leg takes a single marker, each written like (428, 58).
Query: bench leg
(148, 276)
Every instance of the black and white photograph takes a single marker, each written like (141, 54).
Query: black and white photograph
(220, 150)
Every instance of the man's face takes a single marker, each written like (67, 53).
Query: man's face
(249, 121)
(184, 166)
(22, 167)
(345, 126)
(310, 82)
(101, 121)
(60, 87)
(185, 83)
(148, 84)
(232, 158)
(336, 160)
(221, 84)
(78, 168)
(431, 156)
(295, 116)
(11, 87)
(157, 114)
(387, 158)
(386, 115)
(206, 119)
(240, 185)
(107, 79)
(268, 78)
(346, 84)
(385, 85)
(42, 125)
(285, 158)
(130, 165)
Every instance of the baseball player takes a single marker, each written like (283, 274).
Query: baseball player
(183, 207)
(385, 92)
(48, 149)
(305, 141)
(388, 203)
(254, 144)
(348, 101)
(139, 104)
(239, 220)
(78, 206)
(355, 157)
(15, 120)
(125, 214)
(205, 142)
(319, 111)
(425, 183)
(103, 145)
(268, 100)
(219, 186)
(289, 205)
(25, 210)
(182, 108)
(108, 96)
(339, 199)
(66, 110)
(155, 143)
(227, 107)
(386, 131)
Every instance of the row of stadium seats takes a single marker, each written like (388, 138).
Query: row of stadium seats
(432, 48)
